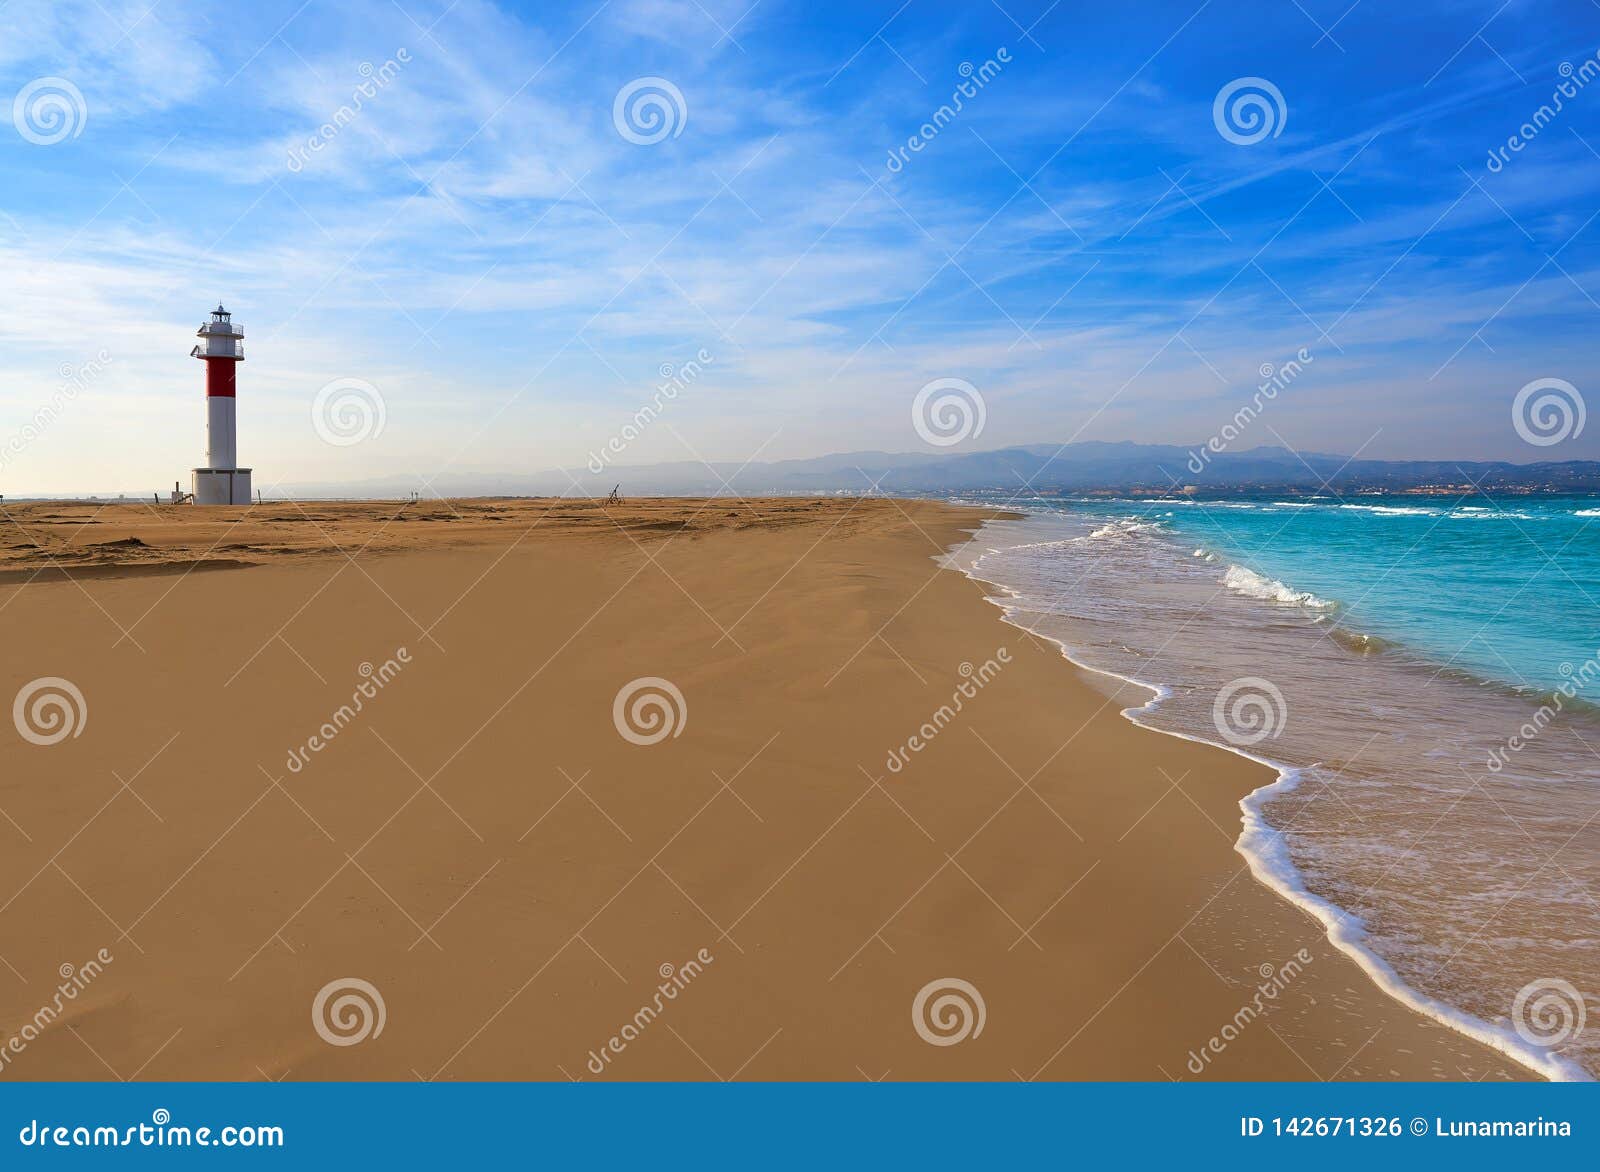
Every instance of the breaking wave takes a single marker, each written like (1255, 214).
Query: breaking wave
(1253, 585)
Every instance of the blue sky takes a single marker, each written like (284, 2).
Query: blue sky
(481, 245)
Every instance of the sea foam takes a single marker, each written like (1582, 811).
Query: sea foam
(1247, 582)
(1124, 528)
(1392, 510)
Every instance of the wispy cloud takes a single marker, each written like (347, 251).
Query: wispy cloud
(475, 237)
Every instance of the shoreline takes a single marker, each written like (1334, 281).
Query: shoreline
(515, 907)
(1265, 849)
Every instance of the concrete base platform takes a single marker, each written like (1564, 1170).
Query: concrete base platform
(222, 486)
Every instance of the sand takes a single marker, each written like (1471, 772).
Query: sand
(511, 877)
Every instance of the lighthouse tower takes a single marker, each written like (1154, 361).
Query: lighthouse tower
(221, 347)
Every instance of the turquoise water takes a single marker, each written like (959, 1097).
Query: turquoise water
(1506, 590)
(1422, 671)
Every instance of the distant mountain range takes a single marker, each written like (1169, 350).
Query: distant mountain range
(1041, 468)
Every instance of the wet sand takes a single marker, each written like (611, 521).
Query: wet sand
(510, 876)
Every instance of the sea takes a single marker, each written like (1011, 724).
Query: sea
(1424, 674)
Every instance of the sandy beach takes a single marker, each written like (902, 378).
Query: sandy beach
(483, 873)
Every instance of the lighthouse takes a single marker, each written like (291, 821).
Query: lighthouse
(221, 347)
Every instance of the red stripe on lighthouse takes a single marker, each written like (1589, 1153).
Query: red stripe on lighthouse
(220, 378)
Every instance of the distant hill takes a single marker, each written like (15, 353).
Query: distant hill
(1043, 468)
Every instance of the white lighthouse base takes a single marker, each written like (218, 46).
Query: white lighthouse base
(222, 486)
